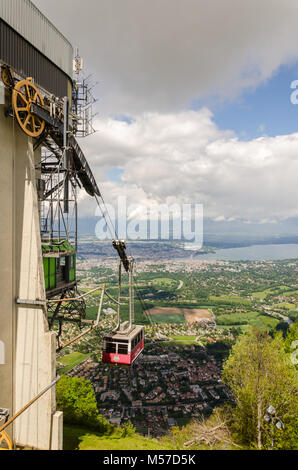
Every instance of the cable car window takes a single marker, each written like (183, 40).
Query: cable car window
(122, 349)
(111, 348)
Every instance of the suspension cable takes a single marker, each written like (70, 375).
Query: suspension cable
(106, 215)
(105, 218)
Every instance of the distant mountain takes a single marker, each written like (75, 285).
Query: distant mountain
(227, 233)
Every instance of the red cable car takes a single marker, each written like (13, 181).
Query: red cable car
(123, 349)
(126, 342)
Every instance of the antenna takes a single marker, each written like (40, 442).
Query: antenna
(77, 65)
(82, 100)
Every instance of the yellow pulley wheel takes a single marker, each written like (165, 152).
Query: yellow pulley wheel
(5, 441)
(25, 93)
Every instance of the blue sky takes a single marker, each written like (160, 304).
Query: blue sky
(265, 110)
(114, 174)
(212, 51)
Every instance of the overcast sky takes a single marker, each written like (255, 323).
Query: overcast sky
(194, 101)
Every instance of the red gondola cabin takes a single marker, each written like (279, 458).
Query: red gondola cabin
(123, 349)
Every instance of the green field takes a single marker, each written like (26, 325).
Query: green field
(292, 293)
(260, 295)
(230, 299)
(264, 321)
(183, 340)
(76, 438)
(237, 318)
(71, 360)
(165, 282)
(175, 318)
(286, 305)
(272, 291)
(247, 318)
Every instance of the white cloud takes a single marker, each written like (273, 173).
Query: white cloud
(159, 55)
(184, 157)
(152, 59)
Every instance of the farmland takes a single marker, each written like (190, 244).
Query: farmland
(189, 315)
(193, 313)
(235, 294)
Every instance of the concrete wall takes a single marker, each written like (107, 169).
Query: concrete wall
(30, 359)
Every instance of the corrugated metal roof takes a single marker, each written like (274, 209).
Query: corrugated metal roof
(27, 61)
(27, 20)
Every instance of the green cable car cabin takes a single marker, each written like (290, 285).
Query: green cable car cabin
(59, 264)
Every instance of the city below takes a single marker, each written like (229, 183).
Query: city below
(193, 310)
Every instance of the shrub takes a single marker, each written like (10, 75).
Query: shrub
(75, 397)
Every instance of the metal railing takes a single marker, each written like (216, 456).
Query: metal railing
(13, 418)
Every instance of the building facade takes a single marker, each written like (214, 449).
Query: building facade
(32, 47)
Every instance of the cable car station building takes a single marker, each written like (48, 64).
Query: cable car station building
(32, 267)
(42, 112)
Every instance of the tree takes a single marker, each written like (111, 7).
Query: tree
(127, 429)
(220, 350)
(75, 397)
(291, 343)
(282, 326)
(260, 373)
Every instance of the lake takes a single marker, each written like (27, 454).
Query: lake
(254, 253)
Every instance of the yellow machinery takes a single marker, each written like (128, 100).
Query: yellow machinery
(24, 93)
(5, 441)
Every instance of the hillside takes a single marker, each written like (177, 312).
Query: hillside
(212, 434)
(77, 438)
(86, 429)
